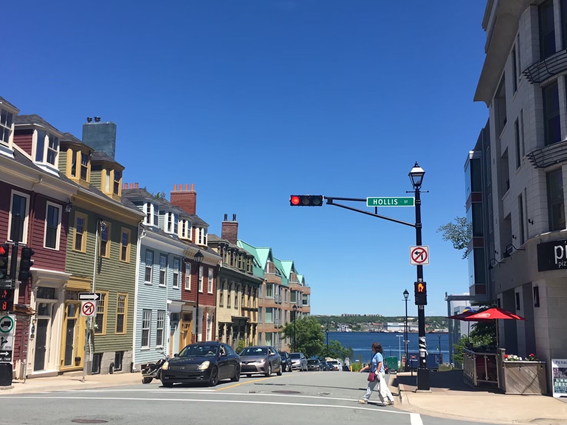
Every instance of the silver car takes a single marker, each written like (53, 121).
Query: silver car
(261, 359)
(298, 361)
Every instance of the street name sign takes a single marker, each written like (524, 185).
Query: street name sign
(88, 308)
(387, 201)
(419, 255)
(89, 296)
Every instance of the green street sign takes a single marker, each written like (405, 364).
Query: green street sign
(386, 201)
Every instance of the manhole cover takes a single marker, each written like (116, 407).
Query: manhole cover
(89, 421)
(286, 392)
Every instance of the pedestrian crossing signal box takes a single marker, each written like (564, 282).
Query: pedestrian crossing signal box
(6, 299)
(420, 293)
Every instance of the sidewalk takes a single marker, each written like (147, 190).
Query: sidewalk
(451, 398)
(71, 381)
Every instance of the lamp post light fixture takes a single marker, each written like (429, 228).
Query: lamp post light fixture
(294, 317)
(198, 259)
(416, 176)
(406, 340)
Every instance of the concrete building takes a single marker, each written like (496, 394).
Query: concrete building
(523, 83)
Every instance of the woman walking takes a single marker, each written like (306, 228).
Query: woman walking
(377, 376)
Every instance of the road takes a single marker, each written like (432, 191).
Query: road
(295, 398)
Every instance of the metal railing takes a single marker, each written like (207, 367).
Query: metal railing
(547, 68)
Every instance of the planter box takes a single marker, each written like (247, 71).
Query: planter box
(524, 377)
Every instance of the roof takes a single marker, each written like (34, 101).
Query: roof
(279, 266)
(288, 267)
(101, 156)
(5, 102)
(34, 120)
(196, 220)
(258, 267)
(140, 193)
(68, 137)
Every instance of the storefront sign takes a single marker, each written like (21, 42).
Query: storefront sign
(552, 256)
(559, 377)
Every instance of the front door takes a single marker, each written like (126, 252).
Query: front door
(40, 344)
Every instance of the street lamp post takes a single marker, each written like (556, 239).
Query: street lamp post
(327, 334)
(399, 350)
(198, 259)
(416, 176)
(294, 317)
(406, 339)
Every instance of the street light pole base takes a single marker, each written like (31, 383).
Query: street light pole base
(423, 383)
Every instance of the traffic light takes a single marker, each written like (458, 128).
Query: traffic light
(6, 299)
(4, 252)
(420, 293)
(306, 200)
(25, 264)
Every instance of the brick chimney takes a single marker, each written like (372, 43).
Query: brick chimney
(184, 199)
(229, 230)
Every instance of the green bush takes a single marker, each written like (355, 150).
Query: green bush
(241, 346)
(356, 366)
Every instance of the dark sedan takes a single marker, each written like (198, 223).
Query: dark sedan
(286, 361)
(264, 360)
(207, 362)
(313, 364)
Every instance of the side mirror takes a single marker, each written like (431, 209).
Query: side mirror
(176, 355)
(272, 354)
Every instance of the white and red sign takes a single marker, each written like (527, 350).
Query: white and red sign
(419, 255)
(88, 308)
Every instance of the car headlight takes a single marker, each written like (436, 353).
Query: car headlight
(204, 365)
(261, 361)
(165, 366)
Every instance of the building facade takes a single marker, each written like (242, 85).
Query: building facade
(523, 83)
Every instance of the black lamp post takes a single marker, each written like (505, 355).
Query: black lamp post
(198, 259)
(416, 176)
(294, 317)
(406, 341)
(327, 334)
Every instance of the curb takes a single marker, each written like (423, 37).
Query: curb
(402, 394)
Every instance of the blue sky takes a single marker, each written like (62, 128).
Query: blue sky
(254, 100)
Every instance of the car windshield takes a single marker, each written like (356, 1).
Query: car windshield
(197, 350)
(254, 351)
(312, 361)
(333, 362)
(295, 356)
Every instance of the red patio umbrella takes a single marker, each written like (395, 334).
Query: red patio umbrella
(491, 314)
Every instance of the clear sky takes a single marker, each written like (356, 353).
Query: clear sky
(254, 100)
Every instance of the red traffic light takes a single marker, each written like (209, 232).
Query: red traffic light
(295, 200)
(306, 200)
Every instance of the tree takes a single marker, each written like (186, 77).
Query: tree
(459, 233)
(309, 336)
(337, 351)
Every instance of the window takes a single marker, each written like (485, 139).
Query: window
(200, 278)
(210, 281)
(183, 229)
(546, 30)
(84, 166)
(518, 150)
(80, 242)
(518, 305)
(104, 250)
(188, 276)
(162, 269)
(6, 119)
(52, 226)
(515, 68)
(149, 266)
(555, 200)
(148, 211)
(268, 338)
(19, 211)
(125, 245)
(146, 321)
(117, 181)
(260, 316)
(118, 357)
(536, 296)
(221, 295)
(121, 312)
(107, 181)
(100, 319)
(269, 290)
(52, 150)
(73, 163)
(160, 327)
(269, 315)
(236, 291)
(202, 236)
(521, 219)
(522, 136)
(40, 145)
(292, 296)
(176, 266)
(552, 122)
(500, 106)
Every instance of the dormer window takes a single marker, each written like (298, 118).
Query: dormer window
(117, 181)
(6, 119)
(201, 236)
(152, 213)
(83, 159)
(185, 229)
(84, 166)
(47, 148)
(172, 223)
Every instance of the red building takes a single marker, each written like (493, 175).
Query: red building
(199, 281)
(33, 203)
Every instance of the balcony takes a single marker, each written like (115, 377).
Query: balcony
(549, 155)
(547, 68)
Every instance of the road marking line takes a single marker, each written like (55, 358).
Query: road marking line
(415, 419)
(146, 390)
(247, 382)
(272, 403)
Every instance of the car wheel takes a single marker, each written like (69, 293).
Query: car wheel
(280, 371)
(147, 380)
(269, 370)
(289, 368)
(167, 384)
(236, 376)
(214, 378)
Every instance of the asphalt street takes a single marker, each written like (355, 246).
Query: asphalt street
(295, 398)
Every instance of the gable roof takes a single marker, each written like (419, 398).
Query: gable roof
(280, 267)
(34, 119)
(288, 267)
(5, 102)
(69, 137)
(259, 265)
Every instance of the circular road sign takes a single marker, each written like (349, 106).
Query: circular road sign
(88, 308)
(6, 324)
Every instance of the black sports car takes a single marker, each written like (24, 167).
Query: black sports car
(202, 362)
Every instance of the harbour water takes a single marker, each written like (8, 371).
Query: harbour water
(362, 341)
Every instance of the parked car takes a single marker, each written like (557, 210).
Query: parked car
(326, 366)
(286, 361)
(298, 361)
(260, 359)
(313, 364)
(334, 364)
(202, 362)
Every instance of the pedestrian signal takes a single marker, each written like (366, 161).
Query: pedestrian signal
(420, 293)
